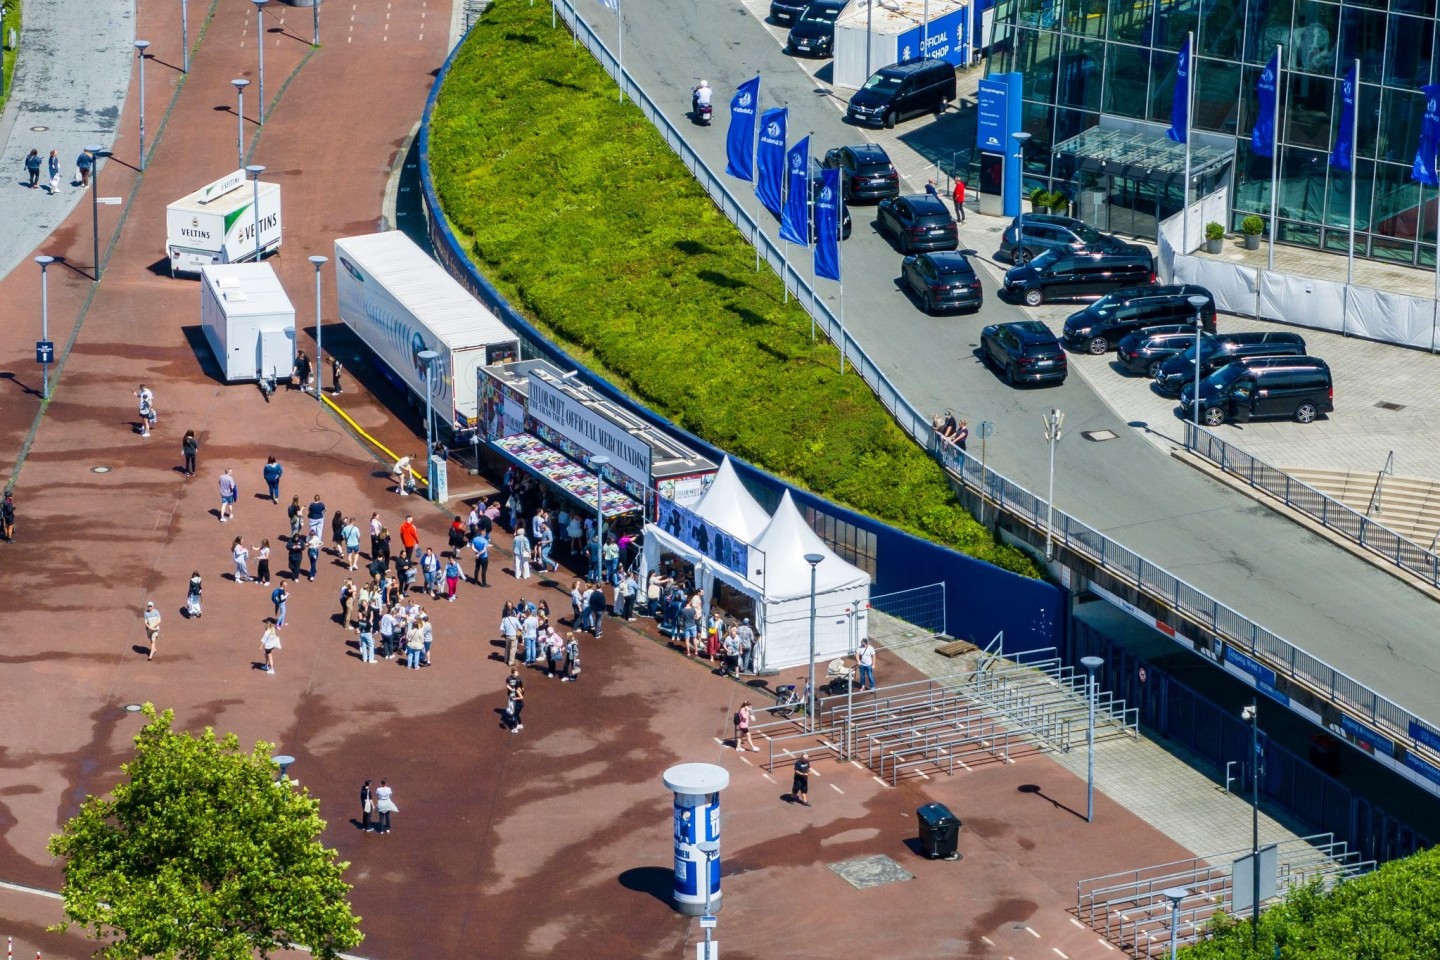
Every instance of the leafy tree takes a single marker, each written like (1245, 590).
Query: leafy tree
(201, 856)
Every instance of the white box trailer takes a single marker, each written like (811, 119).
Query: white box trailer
(216, 224)
(400, 302)
(248, 320)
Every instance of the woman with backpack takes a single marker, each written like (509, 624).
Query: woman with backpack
(192, 597)
(572, 659)
(278, 597)
(743, 718)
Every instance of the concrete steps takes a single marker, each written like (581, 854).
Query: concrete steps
(1409, 506)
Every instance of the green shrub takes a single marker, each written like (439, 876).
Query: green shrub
(581, 216)
(1252, 226)
(1214, 231)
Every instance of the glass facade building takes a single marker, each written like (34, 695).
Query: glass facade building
(1111, 64)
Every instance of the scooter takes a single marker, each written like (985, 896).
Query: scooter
(702, 111)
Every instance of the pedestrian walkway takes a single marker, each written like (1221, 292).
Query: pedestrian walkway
(71, 81)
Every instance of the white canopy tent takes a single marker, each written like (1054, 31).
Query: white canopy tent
(727, 504)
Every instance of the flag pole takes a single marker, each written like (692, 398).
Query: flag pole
(755, 166)
(1189, 124)
(1354, 168)
(1275, 160)
(784, 243)
(810, 242)
(840, 262)
(620, 54)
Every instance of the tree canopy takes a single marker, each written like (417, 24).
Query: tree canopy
(199, 855)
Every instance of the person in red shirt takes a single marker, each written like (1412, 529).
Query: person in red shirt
(959, 197)
(409, 537)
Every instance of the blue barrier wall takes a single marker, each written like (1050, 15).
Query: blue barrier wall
(981, 600)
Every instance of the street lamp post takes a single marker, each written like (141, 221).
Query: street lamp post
(255, 169)
(1053, 421)
(185, 36)
(427, 359)
(1021, 138)
(140, 46)
(814, 560)
(240, 86)
(1091, 664)
(1175, 895)
(95, 150)
(45, 320)
(711, 849)
(1251, 714)
(319, 262)
(315, 11)
(260, 46)
(598, 461)
(1198, 302)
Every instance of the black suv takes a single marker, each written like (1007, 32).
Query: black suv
(1068, 275)
(814, 33)
(1024, 351)
(1223, 350)
(787, 11)
(1299, 387)
(1044, 231)
(866, 172)
(917, 222)
(942, 281)
(1145, 350)
(1102, 325)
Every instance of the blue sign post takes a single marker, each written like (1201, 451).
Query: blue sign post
(44, 351)
(998, 118)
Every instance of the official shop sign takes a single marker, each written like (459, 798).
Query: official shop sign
(589, 430)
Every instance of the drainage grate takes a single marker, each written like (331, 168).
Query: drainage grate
(1387, 405)
(873, 871)
(1099, 436)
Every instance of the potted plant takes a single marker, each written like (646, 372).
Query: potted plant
(1039, 200)
(1252, 227)
(1059, 203)
(1214, 236)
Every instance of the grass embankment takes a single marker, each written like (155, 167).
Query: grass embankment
(10, 21)
(581, 216)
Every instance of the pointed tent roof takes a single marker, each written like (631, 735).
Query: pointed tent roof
(785, 542)
(729, 506)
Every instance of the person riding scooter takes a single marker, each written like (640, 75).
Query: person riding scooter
(700, 102)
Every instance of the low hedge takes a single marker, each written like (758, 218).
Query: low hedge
(584, 219)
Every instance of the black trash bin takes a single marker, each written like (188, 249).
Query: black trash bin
(939, 832)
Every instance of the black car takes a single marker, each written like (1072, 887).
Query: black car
(944, 280)
(1068, 275)
(1298, 387)
(866, 172)
(787, 11)
(917, 222)
(1145, 350)
(814, 33)
(1045, 231)
(1024, 351)
(901, 90)
(1103, 324)
(1223, 350)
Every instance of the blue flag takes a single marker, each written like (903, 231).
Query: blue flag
(1424, 169)
(1180, 106)
(740, 138)
(795, 218)
(827, 225)
(1340, 157)
(1262, 135)
(770, 159)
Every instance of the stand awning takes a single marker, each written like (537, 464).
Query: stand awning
(572, 478)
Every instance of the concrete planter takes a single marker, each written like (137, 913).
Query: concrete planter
(1252, 241)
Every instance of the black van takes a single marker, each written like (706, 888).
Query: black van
(1069, 275)
(1144, 350)
(1102, 325)
(903, 90)
(1223, 350)
(1299, 387)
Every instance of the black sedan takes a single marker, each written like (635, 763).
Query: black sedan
(917, 222)
(943, 280)
(814, 33)
(1024, 351)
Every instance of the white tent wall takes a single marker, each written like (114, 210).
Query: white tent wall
(841, 621)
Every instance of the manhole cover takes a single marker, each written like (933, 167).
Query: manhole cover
(1387, 405)
(99, 469)
(1099, 436)
(133, 708)
(873, 871)
(38, 129)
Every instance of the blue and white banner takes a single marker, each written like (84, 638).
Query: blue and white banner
(770, 159)
(1262, 135)
(1180, 106)
(1424, 169)
(740, 138)
(827, 226)
(1340, 157)
(795, 218)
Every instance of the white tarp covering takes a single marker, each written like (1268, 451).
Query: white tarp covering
(1232, 284)
(1317, 304)
(1391, 317)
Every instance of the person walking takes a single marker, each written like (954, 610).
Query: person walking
(7, 517)
(385, 805)
(743, 718)
(430, 573)
(480, 546)
(262, 563)
(148, 416)
(800, 783)
(83, 165)
(295, 554)
(959, 197)
(313, 543)
(272, 471)
(337, 524)
(32, 167)
(54, 170)
(367, 806)
(193, 609)
(280, 598)
(269, 643)
(151, 618)
(866, 659)
(315, 513)
(229, 492)
(240, 554)
(350, 536)
(302, 372)
(296, 514)
(515, 706)
(189, 446)
(335, 371)
(597, 606)
(409, 537)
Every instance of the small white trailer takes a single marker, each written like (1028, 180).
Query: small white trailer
(217, 224)
(248, 320)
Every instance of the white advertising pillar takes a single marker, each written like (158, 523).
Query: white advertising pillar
(697, 789)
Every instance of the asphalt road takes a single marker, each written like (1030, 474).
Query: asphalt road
(1336, 607)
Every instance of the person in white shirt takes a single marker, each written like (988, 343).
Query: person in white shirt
(866, 656)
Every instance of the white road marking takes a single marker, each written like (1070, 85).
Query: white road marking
(1031, 931)
(1106, 945)
(836, 789)
(883, 784)
(987, 940)
(1077, 923)
(1059, 954)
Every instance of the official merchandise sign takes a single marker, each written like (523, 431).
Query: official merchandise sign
(589, 430)
(686, 490)
(699, 534)
(943, 39)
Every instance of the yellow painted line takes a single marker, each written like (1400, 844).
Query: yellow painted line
(376, 443)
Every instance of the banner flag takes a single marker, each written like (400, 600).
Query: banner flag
(795, 218)
(1262, 135)
(1340, 157)
(1424, 169)
(770, 159)
(1180, 106)
(740, 138)
(827, 225)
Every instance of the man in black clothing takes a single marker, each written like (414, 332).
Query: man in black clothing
(302, 371)
(597, 608)
(800, 785)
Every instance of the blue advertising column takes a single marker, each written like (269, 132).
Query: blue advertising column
(697, 789)
(997, 118)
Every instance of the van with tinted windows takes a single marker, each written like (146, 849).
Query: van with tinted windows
(1063, 274)
(1263, 387)
(1145, 350)
(1223, 350)
(1103, 324)
(903, 90)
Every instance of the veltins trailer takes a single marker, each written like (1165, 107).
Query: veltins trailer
(400, 302)
(216, 224)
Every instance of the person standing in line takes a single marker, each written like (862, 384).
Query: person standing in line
(800, 784)
(151, 618)
(453, 576)
(414, 645)
(350, 535)
(32, 167)
(521, 546)
(385, 805)
(240, 554)
(335, 371)
(746, 633)
(296, 515)
(347, 603)
(83, 164)
(229, 492)
(315, 513)
(516, 705)
(959, 197)
(337, 524)
(280, 597)
(272, 471)
(409, 537)
(628, 590)
(369, 624)
(193, 609)
(7, 517)
(269, 643)
(189, 446)
(295, 554)
(302, 372)
(509, 632)
(375, 529)
(731, 649)
(610, 561)
(388, 626)
(427, 633)
(547, 543)
(313, 543)
(262, 564)
(572, 659)
(430, 573)
(367, 806)
(577, 604)
(743, 718)
(480, 545)
(866, 658)
(54, 170)
(597, 606)
(530, 631)
(382, 551)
